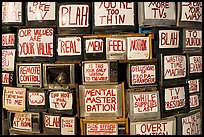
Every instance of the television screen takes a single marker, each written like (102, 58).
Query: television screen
(103, 71)
(165, 126)
(68, 126)
(73, 17)
(29, 74)
(195, 101)
(156, 14)
(35, 44)
(8, 40)
(195, 85)
(8, 59)
(100, 101)
(14, 98)
(40, 13)
(59, 76)
(8, 78)
(111, 17)
(189, 14)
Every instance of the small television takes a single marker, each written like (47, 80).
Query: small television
(73, 18)
(14, 98)
(8, 78)
(40, 13)
(29, 74)
(35, 44)
(28, 122)
(195, 85)
(8, 40)
(51, 123)
(94, 47)
(59, 76)
(142, 74)
(62, 101)
(192, 39)
(100, 72)
(156, 14)
(172, 68)
(168, 39)
(143, 105)
(174, 99)
(69, 48)
(189, 14)
(36, 99)
(190, 123)
(167, 126)
(13, 13)
(114, 17)
(195, 101)
(100, 100)
(8, 59)
(194, 60)
(69, 125)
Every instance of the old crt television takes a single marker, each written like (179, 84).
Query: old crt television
(195, 101)
(8, 78)
(51, 123)
(194, 60)
(168, 39)
(69, 125)
(166, 126)
(41, 13)
(100, 101)
(94, 47)
(192, 39)
(114, 17)
(195, 85)
(190, 123)
(100, 72)
(143, 105)
(73, 18)
(8, 40)
(58, 76)
(8, 59)
(156, 14)
(173, 68)
(29, 122)
(189, 14)
(142, 73)
(62, 101)
(36, 99)
(174, 99)
(29, 74)
(13, 13)
(69, 48)
(35, 44)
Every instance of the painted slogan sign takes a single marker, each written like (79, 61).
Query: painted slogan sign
(52, 121)
(69, 46)
(94, 46)
(174, 66)
(61, 100)
(193, 38)
(191, 125)
(35, 42)
(195, 64)
(74, 15)
(101, 100)
(138, 48)
(159, 10)
(194, 101)
(8, 39)
(5, 78)
(143, 74)
(174, 98)
(101, 129)
(8, 59)
(113, 13)
(68, 126)
(194, 85)
(11, 12)
(36, 98)
(191, 11)
(22, 121)
(40, 11)
(14, 98)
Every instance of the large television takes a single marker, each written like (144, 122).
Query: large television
(35, 44)
(114, 17)
(156, 14)
(41, 13)
(73, 18)
(189, 14)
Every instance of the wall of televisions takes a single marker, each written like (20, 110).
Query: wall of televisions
(102, 68)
